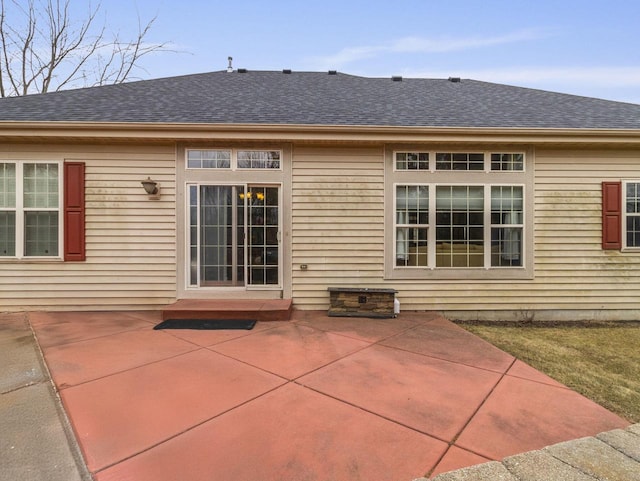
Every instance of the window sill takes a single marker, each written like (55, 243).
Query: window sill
(474, 273)
(36, 260)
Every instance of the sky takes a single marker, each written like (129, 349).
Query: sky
(585, 47)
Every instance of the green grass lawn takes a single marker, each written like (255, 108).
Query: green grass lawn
(600, 362)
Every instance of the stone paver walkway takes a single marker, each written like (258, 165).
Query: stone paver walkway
(609, 456)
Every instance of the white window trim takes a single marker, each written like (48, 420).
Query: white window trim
(435, 177)
(20, 210)
(625, 215)
(487, 160)
(419, 226)
(233, 164)
(431, 226)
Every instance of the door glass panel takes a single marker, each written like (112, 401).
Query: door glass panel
(233, 235)
(263, 235)
(215, 222)
(221, 260)
(193, 235)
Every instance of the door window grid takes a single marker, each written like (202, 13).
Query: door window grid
(216, 215)
(208, 159)
(194, 222)
(263, 235)
(258, 159)
(216, 255)
(217, 235)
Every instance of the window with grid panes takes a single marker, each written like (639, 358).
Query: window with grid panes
(632, 214)
(468, 232)
(232, 159)
(29, 209)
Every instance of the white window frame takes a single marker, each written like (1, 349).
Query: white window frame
(487, 160)
(522, 225)
(233, 163)
(433, 178)
(431, 226)
(427, 226)
(626, 215)
(429, 160)
(20, 210)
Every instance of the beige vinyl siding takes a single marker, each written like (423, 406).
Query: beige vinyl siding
(572, 272)
(338, 232)
(337, 220)
(130, 240)
(570, 263)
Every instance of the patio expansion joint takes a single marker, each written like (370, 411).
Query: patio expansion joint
(360, 408)
(379, 343)
(24, 386)
(355, 337)
(212, 348)
(77, 341)
(453, 440)
(106, 376)
(439, 358)
(190, 428)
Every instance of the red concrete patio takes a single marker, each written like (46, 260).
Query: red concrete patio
(314, 398)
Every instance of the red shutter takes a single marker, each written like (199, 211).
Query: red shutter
(612, 215)
(74, 243)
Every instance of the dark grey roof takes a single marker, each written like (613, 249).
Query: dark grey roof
(320, 98)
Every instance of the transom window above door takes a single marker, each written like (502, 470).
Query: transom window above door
(234, 159)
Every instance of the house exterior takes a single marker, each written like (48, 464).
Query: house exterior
(476, 199)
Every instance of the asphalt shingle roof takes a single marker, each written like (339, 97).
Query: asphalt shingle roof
(313, 98)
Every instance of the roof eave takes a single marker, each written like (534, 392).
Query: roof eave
(303, 132)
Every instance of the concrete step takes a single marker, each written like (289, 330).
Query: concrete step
(257, 309)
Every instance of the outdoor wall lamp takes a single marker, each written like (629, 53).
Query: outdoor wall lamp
(152, 188)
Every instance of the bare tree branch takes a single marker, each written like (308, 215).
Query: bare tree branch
(4, 51)
(43, 48)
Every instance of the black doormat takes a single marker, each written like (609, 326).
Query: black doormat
(207, 324)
